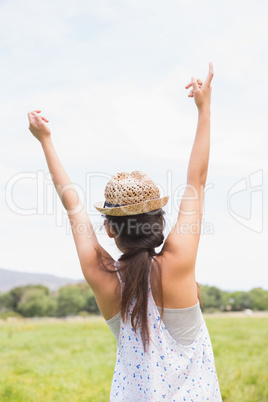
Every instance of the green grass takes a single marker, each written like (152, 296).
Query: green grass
(241, 355)
(56, 362)
(70, 361)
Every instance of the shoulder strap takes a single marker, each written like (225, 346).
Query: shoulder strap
(117, 273)
(149, 275)
(151, 265)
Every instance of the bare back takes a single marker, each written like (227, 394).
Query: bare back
(178, 292)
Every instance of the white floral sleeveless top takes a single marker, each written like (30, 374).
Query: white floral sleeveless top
(167, 370)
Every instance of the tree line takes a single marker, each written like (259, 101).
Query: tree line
(78, 299)
(216, 299)
(39, 301)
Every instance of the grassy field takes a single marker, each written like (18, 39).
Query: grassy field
(74, 361)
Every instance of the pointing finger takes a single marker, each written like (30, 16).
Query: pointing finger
(210, 74)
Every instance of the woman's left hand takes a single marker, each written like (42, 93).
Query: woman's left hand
(201, 91)
(38, 126)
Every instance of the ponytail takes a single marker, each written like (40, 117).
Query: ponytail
(138, 236)
(136, 266)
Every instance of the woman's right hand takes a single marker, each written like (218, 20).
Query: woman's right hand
(37, 125)
(201, 91)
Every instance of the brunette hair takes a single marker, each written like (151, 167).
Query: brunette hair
(137, 236)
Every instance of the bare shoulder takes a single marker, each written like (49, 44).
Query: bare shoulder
(178, 282)
(105, 285)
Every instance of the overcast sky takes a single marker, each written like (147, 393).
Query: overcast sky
(110, 78)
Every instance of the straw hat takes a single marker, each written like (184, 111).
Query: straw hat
(130, 194)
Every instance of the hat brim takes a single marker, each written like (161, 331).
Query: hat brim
(132, 209)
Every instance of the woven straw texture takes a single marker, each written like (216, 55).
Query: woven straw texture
(135, 192)
(130, 188)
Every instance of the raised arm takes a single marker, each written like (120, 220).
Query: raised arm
(182, 242)
(86, 242)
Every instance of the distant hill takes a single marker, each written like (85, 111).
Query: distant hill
(10, 279)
